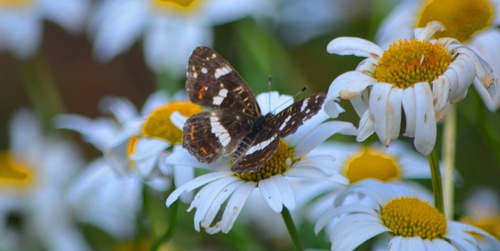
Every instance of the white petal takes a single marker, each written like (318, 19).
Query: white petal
(415, 244)
(440, 90)
(271, 195)
(146, 147)
(354, 46)
(235, 205)
(379, 97)
(204, 198)
(217, 203)
(349, 85)
(121, 108)
(409, 111)
(395, 244)
(425, 132)
(394, 113)
(197, 182)
(359, 103)
(325, 219)
(287, 194)
(366, 127)
(352, 231)
(322, 133)
(430, 29)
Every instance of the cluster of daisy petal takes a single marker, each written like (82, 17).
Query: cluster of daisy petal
(371, 191)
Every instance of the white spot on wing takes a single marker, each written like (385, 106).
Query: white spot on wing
(260, 146)
(204, 70)
(219, 131)
(285, 123)
(218, 100)
(304, 105)
(219, 72)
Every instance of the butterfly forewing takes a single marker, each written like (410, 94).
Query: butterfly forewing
(212, 82)
(209, 135)
(289, 120)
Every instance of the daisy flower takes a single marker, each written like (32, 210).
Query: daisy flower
(472, 22)
(414, 224)
(111, 202)
(408, 88)
(34, 173)
(135, 143)
(21, 22)
(482, 209)
(171, 28)
(294, 157)
(395, 164)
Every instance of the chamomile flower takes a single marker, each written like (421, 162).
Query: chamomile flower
(135, 143)
(414, 224)
(294, 158)
(33, 176)
(395, 164)
(21, 22)
(171, 28)
(472, 22)
(408, 88)
(106, 200)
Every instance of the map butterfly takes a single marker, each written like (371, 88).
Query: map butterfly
(236, 124)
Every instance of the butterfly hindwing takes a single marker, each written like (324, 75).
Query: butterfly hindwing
(212, 82)
(255, 150)
(209, 135)
(292, 117)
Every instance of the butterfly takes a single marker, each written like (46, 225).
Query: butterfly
(236, 124)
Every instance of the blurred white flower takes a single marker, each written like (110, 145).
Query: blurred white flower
(21, 22)
(34, 175)
(171, 29)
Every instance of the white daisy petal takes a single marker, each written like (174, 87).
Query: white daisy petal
(395, 243)
(365, 227)
(366, 127)
(217, 202)
(394, 113)
(234, 206)
(271, 194)
(415, 244)
(425, 128)
(287, 194)
(322, 133)
(195, 183)
(354, 46)
(378, 109)
(409, 108)
(349, 85)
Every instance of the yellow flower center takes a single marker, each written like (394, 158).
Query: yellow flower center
(489, 224)
(281, 160)
(178, 6)
(407, 62)
(13, 3)
(461, 18)
(371, 165)
(411, 217)
(158, 124)
(14, 172)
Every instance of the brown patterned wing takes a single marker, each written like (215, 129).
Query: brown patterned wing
(209, 135)
(212, 82)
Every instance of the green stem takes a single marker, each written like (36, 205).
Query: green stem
(172, 220)
(437, 184)
(292, 230)
(449, 143)
(42, 88)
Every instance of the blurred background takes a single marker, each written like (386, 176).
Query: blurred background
(287, 41)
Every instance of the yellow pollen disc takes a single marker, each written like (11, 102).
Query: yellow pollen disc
(277, 164)
(158, 124)
(411, 217)
(132, 144)
(177, 5)
(371, 165)
(489, 224)
(13, 3)
(407, 62)
(461, 18)
(14, 172)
